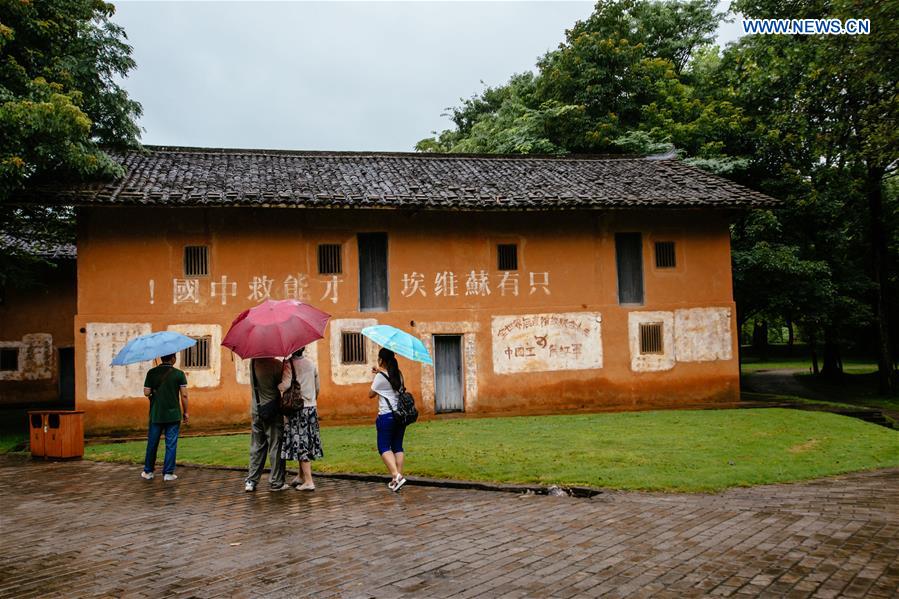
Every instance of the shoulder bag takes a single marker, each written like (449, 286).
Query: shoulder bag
(292, 399)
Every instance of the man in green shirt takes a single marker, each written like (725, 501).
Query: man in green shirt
(166, 386)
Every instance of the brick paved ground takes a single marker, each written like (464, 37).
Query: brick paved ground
(89, 529)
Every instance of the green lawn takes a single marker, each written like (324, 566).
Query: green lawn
(677, 450)
(750, 364)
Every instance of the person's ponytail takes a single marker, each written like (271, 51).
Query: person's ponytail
(393, 368)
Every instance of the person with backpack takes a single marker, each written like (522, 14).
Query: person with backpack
(166, 388)
(302, 439)
(387, 385)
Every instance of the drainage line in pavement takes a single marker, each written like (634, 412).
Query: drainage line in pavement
(585, 492)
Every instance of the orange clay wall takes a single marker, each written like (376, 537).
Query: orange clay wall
(36, 319)
(129, 260)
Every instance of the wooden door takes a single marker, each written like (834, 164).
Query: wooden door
(449, 388)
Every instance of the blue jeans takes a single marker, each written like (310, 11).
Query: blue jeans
(171, 446)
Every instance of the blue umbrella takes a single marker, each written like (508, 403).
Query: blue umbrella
(399, 342)
(154, 345)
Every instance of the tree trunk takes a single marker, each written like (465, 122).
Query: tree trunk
(791, 337)
(832, 368)
(874, 193)
(760, 339)
(813, 344)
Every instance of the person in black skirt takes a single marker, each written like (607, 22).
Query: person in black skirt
(302, 440)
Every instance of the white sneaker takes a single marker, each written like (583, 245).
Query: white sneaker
(398, 483)
(146, 475)
(170, 477)
(305, 487)
(249, 487)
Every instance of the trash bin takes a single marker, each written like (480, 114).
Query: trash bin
(57, 433)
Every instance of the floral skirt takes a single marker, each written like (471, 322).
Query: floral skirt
(302, 440)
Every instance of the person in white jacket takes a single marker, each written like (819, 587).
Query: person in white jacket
(302, 439)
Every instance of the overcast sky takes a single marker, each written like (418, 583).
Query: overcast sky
(326, 75)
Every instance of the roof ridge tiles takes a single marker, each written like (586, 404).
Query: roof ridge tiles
(260, 152)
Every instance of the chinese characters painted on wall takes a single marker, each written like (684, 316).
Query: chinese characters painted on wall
(302, 287)
(546, 342)
(473, 283)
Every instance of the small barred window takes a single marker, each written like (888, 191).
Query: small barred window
(196, 357)
(196, 261)
(9, 358)
(329, 259)
(665, 257)
(651, 338)
(352, 348)
(507, 256)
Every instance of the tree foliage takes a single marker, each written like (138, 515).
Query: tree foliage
(60, 100)
(812, 120)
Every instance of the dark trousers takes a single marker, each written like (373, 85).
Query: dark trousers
(265, 439)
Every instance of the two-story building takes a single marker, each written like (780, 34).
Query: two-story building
(539, 284)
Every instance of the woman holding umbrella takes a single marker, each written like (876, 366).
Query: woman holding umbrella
(386, 386)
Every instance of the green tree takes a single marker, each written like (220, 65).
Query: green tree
(59, 102)
(614, 68)
(825, 136)
(811, 120)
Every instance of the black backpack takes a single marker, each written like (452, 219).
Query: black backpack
(405, 412)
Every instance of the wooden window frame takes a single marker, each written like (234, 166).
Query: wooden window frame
(622, 241)
(374, 296)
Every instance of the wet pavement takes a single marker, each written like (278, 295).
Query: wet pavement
(79, 529)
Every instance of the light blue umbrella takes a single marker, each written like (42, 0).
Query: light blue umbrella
(154, 345)
(399, 342)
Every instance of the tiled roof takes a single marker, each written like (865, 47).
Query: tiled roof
(169, 176)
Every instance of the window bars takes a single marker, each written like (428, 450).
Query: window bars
(352, 346)
(651, 338)
(665, 256)
(196, 357)
(329, 259)
(196, 261)
(507, 256)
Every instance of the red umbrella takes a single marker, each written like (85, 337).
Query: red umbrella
(275, 329)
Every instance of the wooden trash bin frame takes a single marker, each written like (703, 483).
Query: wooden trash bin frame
(56, 434)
